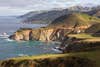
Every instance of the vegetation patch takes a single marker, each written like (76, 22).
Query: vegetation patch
(65, 61)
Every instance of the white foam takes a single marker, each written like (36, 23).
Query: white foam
(20, 55)
(56, 50)
(9, 39)
(4, 36)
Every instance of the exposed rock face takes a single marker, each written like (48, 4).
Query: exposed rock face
(47, 33)
(42, 34)
(21, 35)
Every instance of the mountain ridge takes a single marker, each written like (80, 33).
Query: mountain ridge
(48, 16)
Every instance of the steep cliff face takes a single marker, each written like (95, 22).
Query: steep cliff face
(21, 35)
(42, 34)
(47, 33)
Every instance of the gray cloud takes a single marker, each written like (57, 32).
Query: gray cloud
(28, 3)
(22, 6)
(42, 3)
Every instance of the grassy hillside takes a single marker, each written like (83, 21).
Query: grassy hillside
(75, 18)
(94, 28)
(86, 37)
(43, 17)
(93, 55)
(80, 59)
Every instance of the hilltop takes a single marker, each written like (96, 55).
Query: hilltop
(75, 20)
(42, 17)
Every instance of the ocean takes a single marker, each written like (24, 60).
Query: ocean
(10, 48)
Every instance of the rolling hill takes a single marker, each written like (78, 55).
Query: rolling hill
(45, 17)
(94, 28)
(79, 19)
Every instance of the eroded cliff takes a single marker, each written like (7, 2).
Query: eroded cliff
(42, 34)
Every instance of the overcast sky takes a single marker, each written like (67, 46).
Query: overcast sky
(17, 7)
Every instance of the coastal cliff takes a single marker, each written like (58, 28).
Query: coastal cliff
(46, 33)
(41, 34)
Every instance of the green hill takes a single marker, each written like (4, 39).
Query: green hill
(80, 19)
(80, 59)
(94, 29)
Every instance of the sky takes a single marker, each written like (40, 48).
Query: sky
(18, 7)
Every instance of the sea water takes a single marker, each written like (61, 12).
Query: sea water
(10, 48)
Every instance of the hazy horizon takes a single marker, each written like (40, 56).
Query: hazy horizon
(18, 7)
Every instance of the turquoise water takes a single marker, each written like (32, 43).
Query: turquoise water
(10, 48)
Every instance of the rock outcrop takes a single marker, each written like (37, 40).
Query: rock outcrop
(42, 34)
(47, 33)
